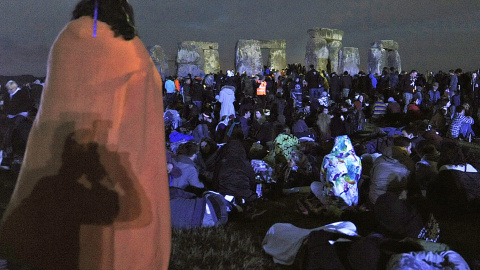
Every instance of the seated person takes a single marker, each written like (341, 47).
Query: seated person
(413, 111)
(298, 171)
(379, 109)
(339, 175)
(189, 210)
(388, 175)
(17, 102)
(461, 124)
(202, 130)
(300, 128)
(455, 191)
(186, 154)
(234, 175)
(439, 121)
(426, 168)
(206, 161)
(245, 120)
(16, 125)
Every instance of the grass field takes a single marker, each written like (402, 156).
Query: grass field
(237, 245)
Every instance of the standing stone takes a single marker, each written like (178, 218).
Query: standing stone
(277, 54)
(197, 58)
(383, 53)
(212, 61)
(160, 60)
(316, 53)
(248, 57)
(333, 54)
(349, 60)
(322, 48)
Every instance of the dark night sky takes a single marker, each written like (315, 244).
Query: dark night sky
(432, 34)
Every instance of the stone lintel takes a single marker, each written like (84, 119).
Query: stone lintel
(199, 44)
(389, 45)
(273, 44)
(326, 33)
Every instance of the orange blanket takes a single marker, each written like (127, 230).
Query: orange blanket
(93, 191)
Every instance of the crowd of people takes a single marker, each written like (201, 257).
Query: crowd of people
(299, 123)
(219, 126)
(397, 144)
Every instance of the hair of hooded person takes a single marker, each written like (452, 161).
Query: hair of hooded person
(451, 154)
(116, 13)
(401, 141)
(187, 149)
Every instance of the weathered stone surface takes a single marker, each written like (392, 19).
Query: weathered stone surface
(333, 55)
(197, 58)
(316, 53)
(194, 70)
(160, 60)
(376, 60)
(322, 48)
(189, 54)
(277, 55)
(393, 58)
(349, 60)
(383, 53)
(273, 44)
(326, 33)
(212, 61)
(277, 59)
(249, 59)
(390, 45)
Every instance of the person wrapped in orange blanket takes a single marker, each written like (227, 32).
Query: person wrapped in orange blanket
(92, 192)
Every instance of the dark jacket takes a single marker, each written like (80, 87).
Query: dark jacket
(234, 174)
(313, 79)
(19, 102)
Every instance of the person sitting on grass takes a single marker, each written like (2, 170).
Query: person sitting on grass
(461, 124)
(191, 207)
(233, 174)
(339, 175)
(379, 109)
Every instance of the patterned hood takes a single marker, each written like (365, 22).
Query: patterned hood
(342, 145)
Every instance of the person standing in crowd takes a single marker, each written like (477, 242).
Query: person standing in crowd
(347, 82)
(335, 87)
(475, 92)
(452, 88)
(227, 97)
(93, 192)
(434, 93)
(170, 91)
(314, 83)
(261, 92)
(186, 86)
(408, 88)
(197, 93)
